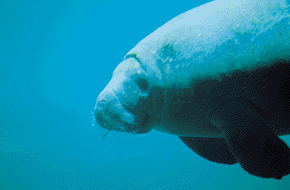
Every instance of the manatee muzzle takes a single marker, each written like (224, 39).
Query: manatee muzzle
(123, 104)
(110, 114)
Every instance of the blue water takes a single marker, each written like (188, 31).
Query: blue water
(55, 58)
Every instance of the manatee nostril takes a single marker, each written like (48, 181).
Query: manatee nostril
(102, 104)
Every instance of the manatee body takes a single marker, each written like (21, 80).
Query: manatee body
(218, 77)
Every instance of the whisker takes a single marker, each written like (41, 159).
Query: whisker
(106, 134)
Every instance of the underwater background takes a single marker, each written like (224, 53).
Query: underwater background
(56, 57)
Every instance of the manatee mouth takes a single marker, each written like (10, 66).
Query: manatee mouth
(111, 121)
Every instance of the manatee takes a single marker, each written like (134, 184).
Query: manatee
(217, 76)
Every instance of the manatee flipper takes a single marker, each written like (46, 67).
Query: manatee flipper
(212, 149)
(258, 150)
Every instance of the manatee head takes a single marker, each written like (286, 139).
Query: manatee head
(124, 105)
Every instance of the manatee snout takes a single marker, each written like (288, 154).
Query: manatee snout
(105, 109)
(123, 104)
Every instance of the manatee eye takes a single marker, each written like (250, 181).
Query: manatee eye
(143, 84)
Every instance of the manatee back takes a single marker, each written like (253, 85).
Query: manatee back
(216, 39)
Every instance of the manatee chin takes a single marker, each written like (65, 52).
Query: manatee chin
(122, 106)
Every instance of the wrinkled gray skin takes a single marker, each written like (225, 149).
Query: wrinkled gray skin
(206, 74)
